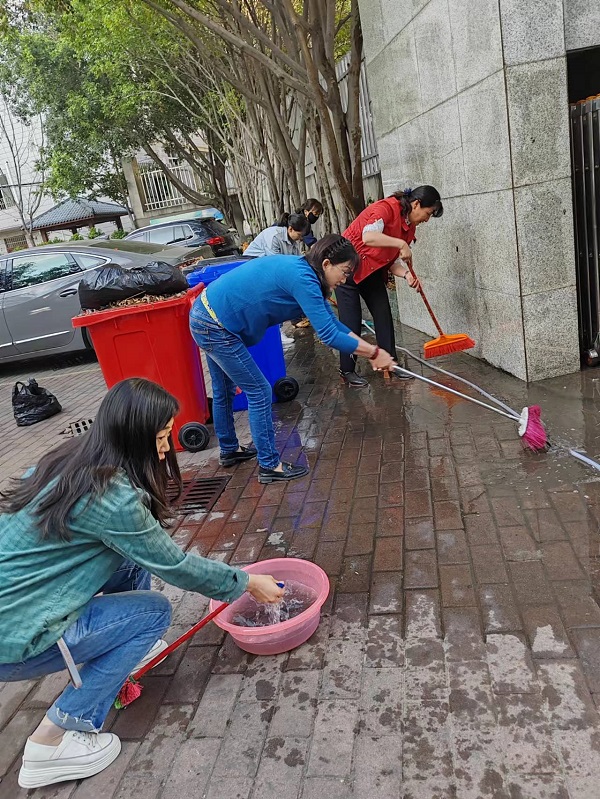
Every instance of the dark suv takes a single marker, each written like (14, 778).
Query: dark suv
(191, 233)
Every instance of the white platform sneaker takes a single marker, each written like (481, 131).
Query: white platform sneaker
(78, 755)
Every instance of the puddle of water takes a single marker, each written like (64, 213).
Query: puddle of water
(297, 598)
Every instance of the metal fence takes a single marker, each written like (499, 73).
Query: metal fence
(370, 156)
(585, 158)
(158, 191)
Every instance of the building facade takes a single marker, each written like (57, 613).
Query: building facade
(472, 98)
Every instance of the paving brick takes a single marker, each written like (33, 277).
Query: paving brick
(381, 701)
(333, 739)
(480, 528)
(568, 701)
(230, 787)
(335, 526)
(539, 786)
(452, 547)
(378, 767)
(105, 783)
(331, 787)
(499, 609)
(471, 699)
(421, 569)
(360, 540)
(133, 724)
(384, 642)
(518, 545)
(386, 592)
(311, 654)
(545, 632)
(447, 515)
(230, 659)
(281, 767)
(216, 705)
(355, 574)
(560, 561)
(577, 605)
(525, 735)
(240, 751)
(488, 564)
(343, 669)
(463, 634)
(425, 672)
(192, 767)
(457, 586)
(531, 583)
(329, 557)
(12, 694)
(390, 521)
(417, 480)
(296, 706)
(388, 554)
(188, 682)
(511, 665)
(423, 614)
(418, 503)
(419, 533)
(261, 679)
(570, 506)
(427, 758)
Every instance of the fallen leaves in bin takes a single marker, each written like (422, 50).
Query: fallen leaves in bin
(145, 299)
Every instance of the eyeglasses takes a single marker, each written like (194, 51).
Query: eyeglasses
(345, 272)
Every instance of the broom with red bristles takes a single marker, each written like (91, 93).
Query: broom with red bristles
(132, 688)
(443, 344)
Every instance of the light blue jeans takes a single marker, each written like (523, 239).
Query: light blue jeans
(111, 636)
(230, 365)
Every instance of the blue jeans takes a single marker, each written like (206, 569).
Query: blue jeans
(110, 637)
(231, 365)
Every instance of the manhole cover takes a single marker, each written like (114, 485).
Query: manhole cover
(78, 428)
(199, 493)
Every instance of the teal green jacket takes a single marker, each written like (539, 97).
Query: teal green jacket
(45, 584)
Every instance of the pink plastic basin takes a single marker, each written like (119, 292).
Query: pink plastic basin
(277, 638)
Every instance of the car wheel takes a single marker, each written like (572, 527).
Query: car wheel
(194, 436)
(87, 340)
(286, 389)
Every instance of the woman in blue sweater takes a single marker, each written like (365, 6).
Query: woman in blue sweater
(79, 537)
(233, 314)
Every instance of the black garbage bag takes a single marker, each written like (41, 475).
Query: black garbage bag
(112, 283)
(32, 403)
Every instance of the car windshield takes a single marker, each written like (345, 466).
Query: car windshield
(214, 227)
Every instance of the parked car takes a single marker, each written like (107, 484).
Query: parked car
(191, 233)
(39, 291)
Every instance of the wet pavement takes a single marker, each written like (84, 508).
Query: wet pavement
(459, 651)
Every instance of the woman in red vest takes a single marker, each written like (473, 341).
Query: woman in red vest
(382, 235)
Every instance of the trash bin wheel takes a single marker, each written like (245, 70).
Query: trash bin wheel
(194, 436)
(286, 389)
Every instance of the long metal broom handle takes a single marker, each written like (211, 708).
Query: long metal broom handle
(409, 265)
(403, 371)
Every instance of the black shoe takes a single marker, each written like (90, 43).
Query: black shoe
(353, 380)
(290, 472)
(228, 459)
(392, 374)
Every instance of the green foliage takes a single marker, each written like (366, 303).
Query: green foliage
(93, 233)
(118, 234)
(76, 237)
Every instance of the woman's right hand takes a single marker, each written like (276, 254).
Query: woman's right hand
(264, 588)
(383, 360)
(405, 251)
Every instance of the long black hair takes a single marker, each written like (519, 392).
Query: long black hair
(297, 222)
(334, 248)
(426, 195)
(123, 436)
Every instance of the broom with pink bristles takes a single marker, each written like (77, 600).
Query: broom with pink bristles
(530, 429)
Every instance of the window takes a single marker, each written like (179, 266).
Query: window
(215, 227)
(3, 273)
(90, 261)
(14, 243)
(6, 196)
(136, 236)
(162, 235)
(182, 232)
(30, 270)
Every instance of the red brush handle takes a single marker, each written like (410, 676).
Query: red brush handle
(425, 300)
(192, 631)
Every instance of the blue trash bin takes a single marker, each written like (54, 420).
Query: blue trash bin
(268, 353)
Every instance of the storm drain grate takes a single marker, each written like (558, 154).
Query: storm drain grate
(78, 428)
(199, 493)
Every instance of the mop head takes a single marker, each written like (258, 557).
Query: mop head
(128, 694)
(446, 345)
(532, 430)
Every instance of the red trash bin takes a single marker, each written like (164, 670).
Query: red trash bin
(154, 341)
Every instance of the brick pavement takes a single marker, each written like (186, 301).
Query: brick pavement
(458, 653)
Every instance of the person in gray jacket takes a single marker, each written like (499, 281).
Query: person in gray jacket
(284, 238)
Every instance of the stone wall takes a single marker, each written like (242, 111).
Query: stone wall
(471, 97)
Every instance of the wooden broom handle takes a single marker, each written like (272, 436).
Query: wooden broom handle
(425, 300)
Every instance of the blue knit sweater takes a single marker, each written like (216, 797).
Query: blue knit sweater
(268, 291)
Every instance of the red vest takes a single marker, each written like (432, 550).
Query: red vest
(395, 224)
